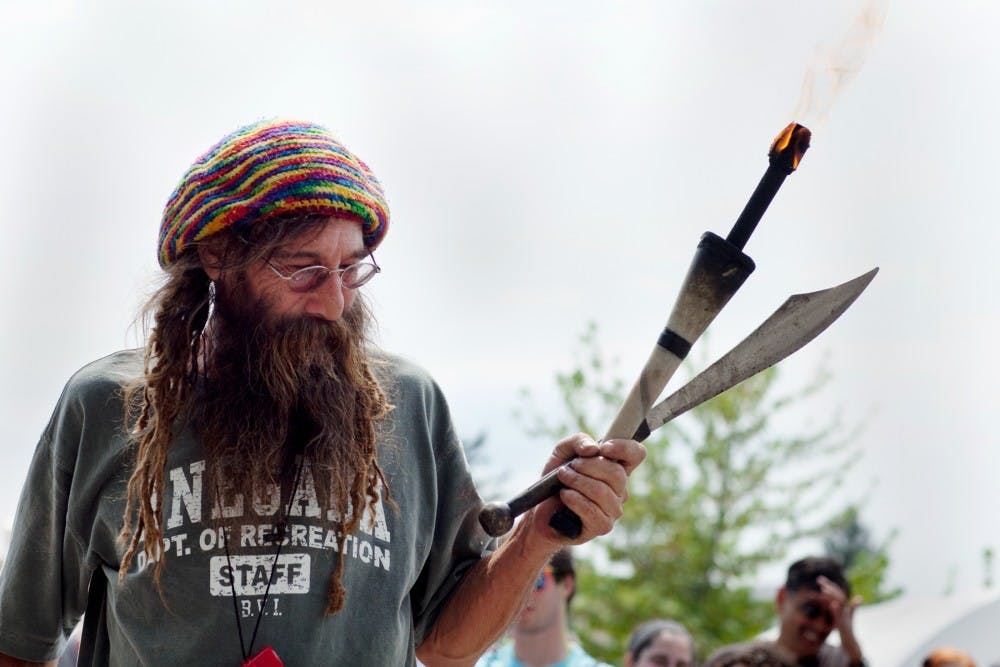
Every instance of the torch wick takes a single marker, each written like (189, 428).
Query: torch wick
(786, 151)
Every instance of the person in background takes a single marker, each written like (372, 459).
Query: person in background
(541, 636)
(71, 656)
(660, 643)
(759, 655)
(815, 600)
(946, 656)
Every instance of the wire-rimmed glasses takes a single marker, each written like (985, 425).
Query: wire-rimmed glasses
(311, 277)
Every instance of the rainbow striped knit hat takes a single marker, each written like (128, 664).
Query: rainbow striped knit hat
(269, 168)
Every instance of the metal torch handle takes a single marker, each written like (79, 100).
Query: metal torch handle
(718, 269)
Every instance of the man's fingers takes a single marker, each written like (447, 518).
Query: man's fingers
(594, 490)
(594, 477)
(827, 587)
(581, 446)
(575, 446)
(627, 452)
(598, 516)
(598, 479)
(610, 472)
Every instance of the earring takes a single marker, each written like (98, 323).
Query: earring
(211, 307)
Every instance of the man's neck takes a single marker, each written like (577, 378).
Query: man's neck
(542, 649)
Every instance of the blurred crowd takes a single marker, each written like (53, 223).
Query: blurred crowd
(814, 600)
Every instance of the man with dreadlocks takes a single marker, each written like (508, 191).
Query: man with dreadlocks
(260, 485)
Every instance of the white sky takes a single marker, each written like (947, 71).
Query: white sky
(548, 164)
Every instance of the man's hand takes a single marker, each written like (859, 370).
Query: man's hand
(595, 482)
(843, 614)
(495, 589)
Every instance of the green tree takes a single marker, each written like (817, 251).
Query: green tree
(866, 563)
(722, 492)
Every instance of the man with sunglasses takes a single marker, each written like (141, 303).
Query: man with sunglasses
(815, 600)
(541, 636)
(261, 486)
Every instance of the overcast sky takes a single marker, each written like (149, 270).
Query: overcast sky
(550, 164)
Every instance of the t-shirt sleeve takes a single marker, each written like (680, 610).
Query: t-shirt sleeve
(60, 535)
(43, 584)
(458, 541)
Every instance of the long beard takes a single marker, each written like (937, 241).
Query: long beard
(277, 387)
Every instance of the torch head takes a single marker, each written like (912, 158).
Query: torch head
(789, 146)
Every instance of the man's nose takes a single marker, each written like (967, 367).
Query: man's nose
(328, 299)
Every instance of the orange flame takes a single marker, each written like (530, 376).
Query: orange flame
(790, 145)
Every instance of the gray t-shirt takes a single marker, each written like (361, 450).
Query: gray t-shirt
(400, 565)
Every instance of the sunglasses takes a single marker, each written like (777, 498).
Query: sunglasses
(814, 610)
(543, 577)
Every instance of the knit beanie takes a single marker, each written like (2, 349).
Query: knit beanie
(267, 169)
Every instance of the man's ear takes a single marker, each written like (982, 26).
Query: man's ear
(569, 581)
(210, 254)
(779, 599)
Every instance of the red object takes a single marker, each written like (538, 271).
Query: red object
(266, 658)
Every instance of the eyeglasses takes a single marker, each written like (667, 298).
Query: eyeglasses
(543, 577)
(311, 277)
(814, 610)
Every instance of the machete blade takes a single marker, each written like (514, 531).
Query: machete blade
(800, 319)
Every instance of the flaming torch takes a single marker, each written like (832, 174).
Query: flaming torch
(717, 271)
(786, 152)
